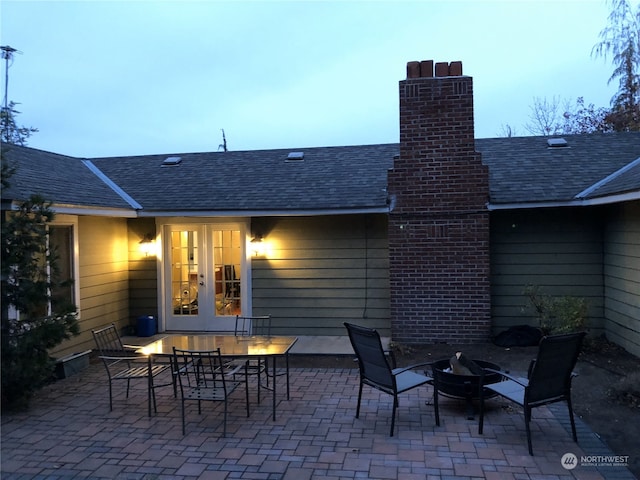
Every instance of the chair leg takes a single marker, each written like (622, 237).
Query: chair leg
(149, 390)
(183, 420)
(527, 421)
(224, 420)
(359, 399)
(110, 397)
(393, 414)
(436, 408)
(246, 389)
(481, 421)
(573, 423)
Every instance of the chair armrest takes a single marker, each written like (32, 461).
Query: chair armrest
(125, 357)
(396, 371)
(519, 380)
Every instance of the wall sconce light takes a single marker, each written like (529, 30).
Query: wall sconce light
(258, 246)
(147, 245)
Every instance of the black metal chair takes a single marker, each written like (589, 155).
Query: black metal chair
(124, 364)
(202, 377)
(248, 327)
(377, 372)
(548, 380)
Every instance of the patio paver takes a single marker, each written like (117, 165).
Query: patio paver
(69, 433)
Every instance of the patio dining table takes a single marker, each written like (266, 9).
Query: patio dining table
(267, 347)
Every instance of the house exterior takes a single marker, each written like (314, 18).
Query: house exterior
(430, 240)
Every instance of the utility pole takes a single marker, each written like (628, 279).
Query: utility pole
(7, 54)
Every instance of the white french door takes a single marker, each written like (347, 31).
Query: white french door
(204, 276)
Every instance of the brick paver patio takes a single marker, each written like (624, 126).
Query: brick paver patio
(70, 433)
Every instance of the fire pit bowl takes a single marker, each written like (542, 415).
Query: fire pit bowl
(465, 387)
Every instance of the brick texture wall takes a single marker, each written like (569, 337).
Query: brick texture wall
(439, 223)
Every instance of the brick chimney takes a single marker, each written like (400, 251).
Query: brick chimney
(439, 223)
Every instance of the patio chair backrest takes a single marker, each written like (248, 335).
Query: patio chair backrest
(108, 341)
(550, 373)
(248, 326)
(372, 359)
(202, 371)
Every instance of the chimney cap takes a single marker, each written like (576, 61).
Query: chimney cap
(425, 69)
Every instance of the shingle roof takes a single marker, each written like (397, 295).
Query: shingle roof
(522, 170)
(526, 170)
(327, 178)
(58, 178)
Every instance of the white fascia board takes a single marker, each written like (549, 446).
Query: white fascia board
(608, 200)
(94, 211)
(65, 209)
(262, 213)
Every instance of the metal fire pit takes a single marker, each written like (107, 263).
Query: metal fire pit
(464, 387)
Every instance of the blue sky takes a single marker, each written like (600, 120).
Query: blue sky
(141, 77)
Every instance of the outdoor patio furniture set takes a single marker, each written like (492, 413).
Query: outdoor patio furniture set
(203, 367)
(548, 380)
(211, 367)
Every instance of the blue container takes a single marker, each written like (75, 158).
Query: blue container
(147, 326)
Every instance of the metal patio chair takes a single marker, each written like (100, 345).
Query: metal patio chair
(548, 380)
(124, 364)
(377, 372)
(202, 377)
(247, 327)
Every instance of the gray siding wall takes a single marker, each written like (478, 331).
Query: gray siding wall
(321, 272)
(622, 277)
(143, 271)
(104, 279)
(559, 250)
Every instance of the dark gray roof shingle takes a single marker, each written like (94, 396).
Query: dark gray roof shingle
(327, 178)
(58, 178)
(526, 170)
(522, 170)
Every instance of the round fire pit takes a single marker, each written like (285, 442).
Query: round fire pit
(465, 387)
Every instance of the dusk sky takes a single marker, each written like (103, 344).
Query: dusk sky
(108, 78)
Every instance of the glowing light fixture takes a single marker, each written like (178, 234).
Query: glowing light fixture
(258, 246)
(147, 245)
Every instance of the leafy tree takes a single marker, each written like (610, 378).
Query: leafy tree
(31, 323)
(620, 39)
(10, 132)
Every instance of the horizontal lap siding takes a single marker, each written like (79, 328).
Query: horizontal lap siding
(622, 277)
(104, 279)
(143, 271)
(560, 251)
(323, 271)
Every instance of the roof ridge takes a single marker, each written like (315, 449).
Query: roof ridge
(589, 190)
(112, 185)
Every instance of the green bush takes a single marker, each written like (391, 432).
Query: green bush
(557, 315)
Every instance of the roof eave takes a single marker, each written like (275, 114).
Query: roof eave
(94, 211)
(587, 202)
(263, 213)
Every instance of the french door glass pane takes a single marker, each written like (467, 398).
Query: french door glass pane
(227, 248)
(184, 272)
